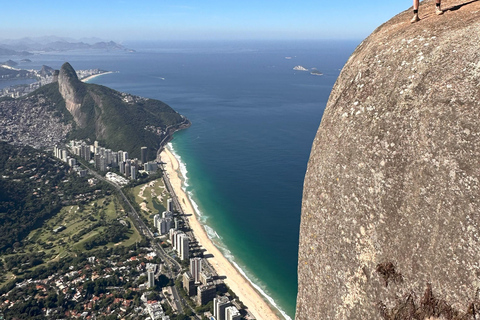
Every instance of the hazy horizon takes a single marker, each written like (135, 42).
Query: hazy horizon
(191, 20)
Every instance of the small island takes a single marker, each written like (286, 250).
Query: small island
(315, 72)
(300, 68)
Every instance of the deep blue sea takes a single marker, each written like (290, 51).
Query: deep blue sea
(253, 122)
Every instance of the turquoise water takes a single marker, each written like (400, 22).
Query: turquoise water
(245, 155)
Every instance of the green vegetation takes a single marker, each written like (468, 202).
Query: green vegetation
(84, 227)
(33, 188)
(147, 197)
(124, 124)
(118, 121)
(55, 101)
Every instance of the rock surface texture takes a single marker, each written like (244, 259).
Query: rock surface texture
(390, 223)
(70, 89)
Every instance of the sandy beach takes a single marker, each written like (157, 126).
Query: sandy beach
(94, 76)
(234, 279)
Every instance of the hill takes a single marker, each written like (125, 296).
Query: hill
(390, 226)
(117, 120)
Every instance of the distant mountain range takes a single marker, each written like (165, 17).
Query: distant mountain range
(24, 46)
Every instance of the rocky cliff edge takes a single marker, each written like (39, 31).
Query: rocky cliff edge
(390, 224)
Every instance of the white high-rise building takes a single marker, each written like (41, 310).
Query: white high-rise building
(151, 278)
(120, 156)
(127, 169)
(183, 246)
(156, 220)
(196, 268)
(170, 205)
(219, 306)
(133, 173)
(167, 214)
(232, 313)
(171, 235)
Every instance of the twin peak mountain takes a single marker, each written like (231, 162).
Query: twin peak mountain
(117, 120)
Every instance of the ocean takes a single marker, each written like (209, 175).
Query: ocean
(253, 122)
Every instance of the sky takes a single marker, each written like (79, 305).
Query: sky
(124, 20)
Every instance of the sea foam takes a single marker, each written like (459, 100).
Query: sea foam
(215, 237)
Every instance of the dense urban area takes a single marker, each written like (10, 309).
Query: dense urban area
(88, 232)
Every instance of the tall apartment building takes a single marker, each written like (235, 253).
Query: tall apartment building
(219, 306)
(189, 283)
(196, 268)
(206, 293)
(151, 278)
(133, 173)
(122, 167)
(170, 205)
(184, 247)
(164, 225)
(232, 313)
(156, 220)
(144, 155)
(167, 214)
(127, 168)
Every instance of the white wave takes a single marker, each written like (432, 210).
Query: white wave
(215, 237)
(212, 234)
(195, 206)
(182, 166)
(262, 292)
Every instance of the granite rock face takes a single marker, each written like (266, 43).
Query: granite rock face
(72, 92)
(390, 223)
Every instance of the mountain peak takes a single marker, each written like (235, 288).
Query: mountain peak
(72, 91)
(68, 73)
(390, 225)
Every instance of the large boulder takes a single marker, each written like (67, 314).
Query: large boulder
(390, 224)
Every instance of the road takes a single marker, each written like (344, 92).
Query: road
(143, 229)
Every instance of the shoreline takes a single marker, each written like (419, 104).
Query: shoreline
(237, 282)
(94, 76)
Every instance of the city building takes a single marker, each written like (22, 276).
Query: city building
(167, 214)
(184, 247)
(143, 154)
(205, 277)
(156, 312)
(151, 278)
(122, 167)
(196, 268)
(189, 283)
(156, 220)
(219, 306)
(232, 313)
(170, 205)
(164, 226)
(133, 173)
(173, 237)
(72, 162)
(150, 167)
(127, 168)
(206, 293)
(120, 156)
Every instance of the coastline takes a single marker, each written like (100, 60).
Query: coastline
(94, 76)
(242, 287)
